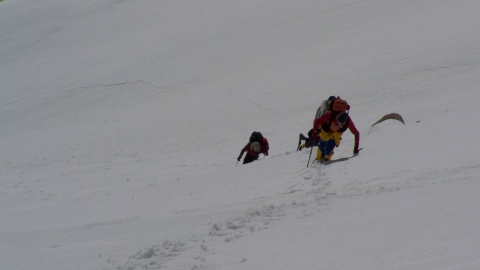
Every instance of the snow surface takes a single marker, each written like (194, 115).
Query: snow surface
(121, 121)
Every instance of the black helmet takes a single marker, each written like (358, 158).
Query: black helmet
(342, 118)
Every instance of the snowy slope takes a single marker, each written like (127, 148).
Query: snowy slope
(122, 120)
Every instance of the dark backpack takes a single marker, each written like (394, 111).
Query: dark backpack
(256, 137)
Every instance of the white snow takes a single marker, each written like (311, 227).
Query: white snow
(121, 122)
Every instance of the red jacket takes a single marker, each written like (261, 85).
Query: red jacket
(264, 149)
(326, 119)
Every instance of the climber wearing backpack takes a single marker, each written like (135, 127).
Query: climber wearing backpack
(330, 127)
(256, 145)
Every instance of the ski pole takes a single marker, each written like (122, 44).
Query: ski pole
(299, 141)
(310, 154)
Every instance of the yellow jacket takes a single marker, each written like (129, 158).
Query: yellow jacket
(335, 135)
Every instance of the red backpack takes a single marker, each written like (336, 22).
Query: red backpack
(338, 105)
(334, 104)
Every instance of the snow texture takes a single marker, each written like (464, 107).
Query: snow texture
(121, 122)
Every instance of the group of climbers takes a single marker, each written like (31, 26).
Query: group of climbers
(331, 121)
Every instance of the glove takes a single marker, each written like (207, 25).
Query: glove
(239, 157)
(266, 153)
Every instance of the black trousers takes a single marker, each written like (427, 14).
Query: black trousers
(248, 159)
